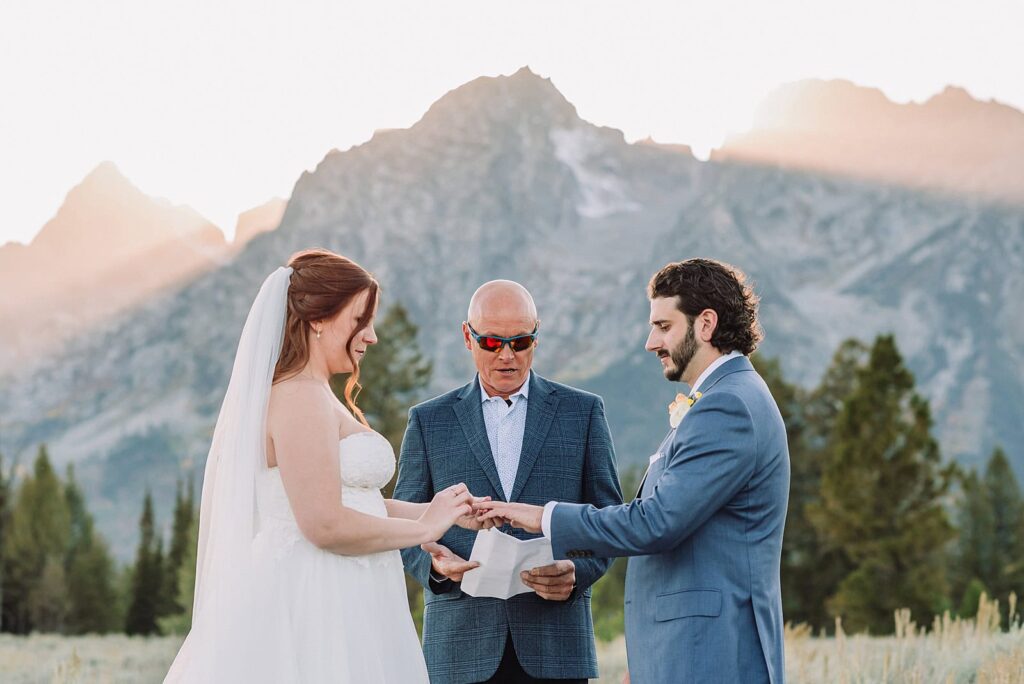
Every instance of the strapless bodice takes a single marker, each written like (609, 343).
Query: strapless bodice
(367, 463)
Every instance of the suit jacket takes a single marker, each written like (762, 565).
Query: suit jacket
(567, 455)
(702, 595)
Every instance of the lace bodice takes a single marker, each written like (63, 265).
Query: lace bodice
(367, 463)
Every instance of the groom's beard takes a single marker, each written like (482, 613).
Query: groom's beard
(682, 356)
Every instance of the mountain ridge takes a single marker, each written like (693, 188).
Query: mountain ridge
(583, 219)
(952, 142)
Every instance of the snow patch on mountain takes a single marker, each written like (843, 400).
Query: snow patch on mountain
(601, 190)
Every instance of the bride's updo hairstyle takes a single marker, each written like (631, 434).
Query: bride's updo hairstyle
(322, 284)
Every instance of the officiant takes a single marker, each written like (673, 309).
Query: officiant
(514, 436)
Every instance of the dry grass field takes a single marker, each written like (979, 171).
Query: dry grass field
(950, 651)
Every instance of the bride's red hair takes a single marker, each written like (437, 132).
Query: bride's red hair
(322, 284)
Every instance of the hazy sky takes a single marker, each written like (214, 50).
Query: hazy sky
(222, 104)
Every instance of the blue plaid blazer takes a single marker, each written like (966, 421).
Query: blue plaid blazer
(703, 602)
(567, 455)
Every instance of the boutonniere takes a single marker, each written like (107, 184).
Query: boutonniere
(678, 408)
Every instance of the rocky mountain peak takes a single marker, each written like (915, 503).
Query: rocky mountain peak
(107, 211)
(521, 99)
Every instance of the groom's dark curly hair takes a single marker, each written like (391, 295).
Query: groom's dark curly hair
(708, 284)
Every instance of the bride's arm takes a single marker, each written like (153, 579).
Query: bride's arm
(304, 432)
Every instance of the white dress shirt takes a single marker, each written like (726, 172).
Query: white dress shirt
(549, 507)
(506, 425)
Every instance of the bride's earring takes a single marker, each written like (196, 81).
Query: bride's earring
(318, 333)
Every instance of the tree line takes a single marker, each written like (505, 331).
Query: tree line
(877, 520)
(56, 570)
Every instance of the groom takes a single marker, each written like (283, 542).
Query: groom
(514, 436)
(702, 593)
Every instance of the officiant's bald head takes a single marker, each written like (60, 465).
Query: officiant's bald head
(504, 299)
(501, 308)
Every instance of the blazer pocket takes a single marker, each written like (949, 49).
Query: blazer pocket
(688, 603)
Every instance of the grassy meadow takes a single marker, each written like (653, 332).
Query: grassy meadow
(950, 651)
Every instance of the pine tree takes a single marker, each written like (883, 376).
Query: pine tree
(990, 522)
(40, 530)
(800, 547)
(971, 598)
(90, 569)
(187, 575)
(882, 489)
(181, 622)
(972, 565)
(160, 581)
(92, 590)
(81, 528)
(811, 569)
(184, 513)
(1007, 509)
(147, 585)
(5, 516)
(48, 601)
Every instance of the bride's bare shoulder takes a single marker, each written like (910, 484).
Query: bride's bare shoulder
(299, 396)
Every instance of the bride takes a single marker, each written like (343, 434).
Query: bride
(298, 575)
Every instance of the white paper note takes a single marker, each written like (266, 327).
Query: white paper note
(502, 557)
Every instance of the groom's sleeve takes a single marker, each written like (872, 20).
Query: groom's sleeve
(711, 460)
(414, 484)
(600, 489)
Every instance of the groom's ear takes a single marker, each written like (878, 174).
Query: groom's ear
(466, 339)
(705, 324)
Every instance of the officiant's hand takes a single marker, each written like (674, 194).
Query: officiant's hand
(447, 563)
(523, 516)
(553, 582)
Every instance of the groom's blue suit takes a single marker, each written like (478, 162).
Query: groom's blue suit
(702, 595)
(566, 455)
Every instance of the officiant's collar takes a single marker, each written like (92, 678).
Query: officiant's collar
(523, 391)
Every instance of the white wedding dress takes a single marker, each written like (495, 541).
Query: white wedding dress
(313, 616)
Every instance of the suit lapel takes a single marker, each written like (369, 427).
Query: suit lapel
(728, 368)
(471, 418)
(540, 410)
(640, 489)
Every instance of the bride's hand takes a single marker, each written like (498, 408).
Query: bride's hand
(472, 522)
(447, 506)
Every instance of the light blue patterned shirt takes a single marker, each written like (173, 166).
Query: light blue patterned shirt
(505, 428)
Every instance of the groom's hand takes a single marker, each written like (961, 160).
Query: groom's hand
(553, 582)
(523, 516)
(471, 520)
(447, 563)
